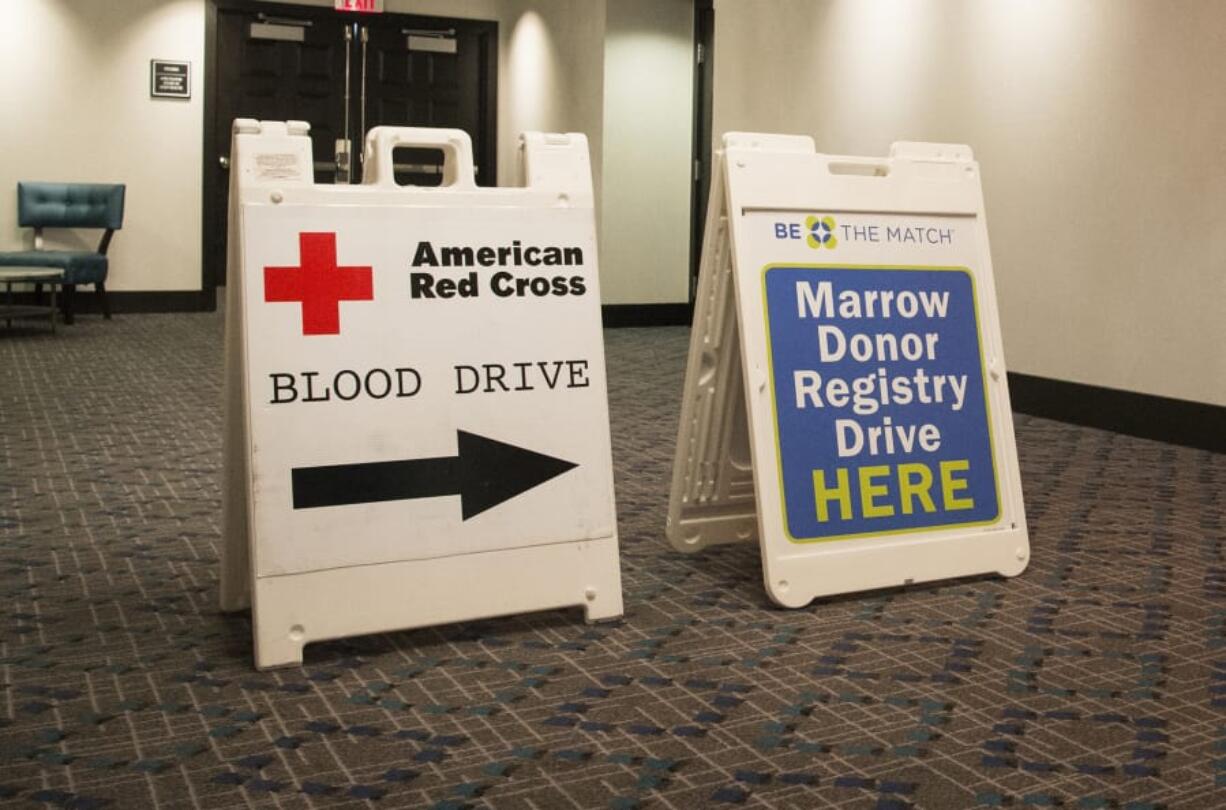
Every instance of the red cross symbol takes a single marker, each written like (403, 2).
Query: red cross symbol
(318, 284)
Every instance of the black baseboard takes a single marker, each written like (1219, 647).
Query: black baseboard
(85, 301)
(618, 315)
(613, 315)
(1177, 421)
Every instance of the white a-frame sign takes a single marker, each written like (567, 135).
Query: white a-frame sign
(845, 400)
(417, 419)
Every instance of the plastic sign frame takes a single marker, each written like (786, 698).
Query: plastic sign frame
(416, 425)
(846, 403)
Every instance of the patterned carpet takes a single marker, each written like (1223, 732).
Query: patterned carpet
(1097, 679)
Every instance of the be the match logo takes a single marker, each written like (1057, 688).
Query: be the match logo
(818, 231)
(821, 233)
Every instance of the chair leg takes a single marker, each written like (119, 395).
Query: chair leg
(106, 304)
(38, 300)
(68, 290)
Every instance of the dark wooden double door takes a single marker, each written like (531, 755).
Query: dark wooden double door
(344, 74)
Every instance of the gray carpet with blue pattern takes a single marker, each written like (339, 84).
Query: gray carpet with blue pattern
(1097, 679)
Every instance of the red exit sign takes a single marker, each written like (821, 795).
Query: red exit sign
(365, 6)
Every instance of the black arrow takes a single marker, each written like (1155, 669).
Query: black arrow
(484, 474)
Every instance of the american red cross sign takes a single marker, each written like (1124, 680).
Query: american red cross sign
(318, 284)
(444, 456)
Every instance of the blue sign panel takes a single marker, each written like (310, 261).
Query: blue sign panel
(880, 407)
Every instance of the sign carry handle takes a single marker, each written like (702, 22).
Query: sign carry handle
(455, 144)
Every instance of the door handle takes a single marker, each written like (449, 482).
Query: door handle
(362, 114)
(224, 160)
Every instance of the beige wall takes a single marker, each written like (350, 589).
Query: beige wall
(1101, 129)
(74, 76)
(552, 72)
(648, 137)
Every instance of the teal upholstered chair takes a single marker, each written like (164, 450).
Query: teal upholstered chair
(69, 205)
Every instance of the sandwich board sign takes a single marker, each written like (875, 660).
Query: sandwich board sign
(417, 417)
(845, 402)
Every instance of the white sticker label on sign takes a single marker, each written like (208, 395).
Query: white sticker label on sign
(278, 166)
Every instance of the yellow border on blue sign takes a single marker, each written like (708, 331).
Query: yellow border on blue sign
(983, 372)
